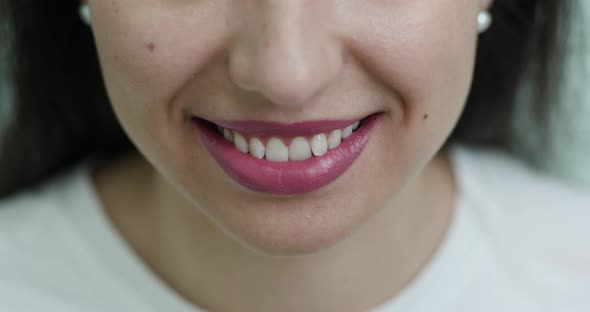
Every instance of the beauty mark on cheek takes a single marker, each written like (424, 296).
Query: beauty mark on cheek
(151, 46)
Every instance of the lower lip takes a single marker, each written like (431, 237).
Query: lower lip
(286, 178)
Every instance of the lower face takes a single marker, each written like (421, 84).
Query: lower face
(282, 82)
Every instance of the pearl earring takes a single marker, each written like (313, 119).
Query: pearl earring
(85, 13)
(484, 21)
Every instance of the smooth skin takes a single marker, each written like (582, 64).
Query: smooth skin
(349, 246)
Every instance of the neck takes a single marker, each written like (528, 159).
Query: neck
(206, 266)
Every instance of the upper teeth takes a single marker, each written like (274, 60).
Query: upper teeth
(299, 149)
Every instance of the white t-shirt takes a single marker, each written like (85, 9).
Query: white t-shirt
(519, 241)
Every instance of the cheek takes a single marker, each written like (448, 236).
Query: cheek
(148, 52)
(424, 52)
(439, 72)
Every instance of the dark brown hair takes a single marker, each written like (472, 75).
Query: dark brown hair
(61, 112)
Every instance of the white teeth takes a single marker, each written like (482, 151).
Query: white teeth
(319, 144)
(346, 132)
(240, 143)
(228, 136)
(257, 149)
(276, 151)
(299, 149)
(334, 139)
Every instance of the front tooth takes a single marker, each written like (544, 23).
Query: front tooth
(240, 143)
(276, 151)
(334, 139)
(299, 149)
(257, 149)
(228, 136)
(356, 125)
(319, 144)
(346, 132)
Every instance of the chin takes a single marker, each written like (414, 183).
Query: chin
(301, 224)
(294, 229)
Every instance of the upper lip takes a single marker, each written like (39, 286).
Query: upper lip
(270, 128)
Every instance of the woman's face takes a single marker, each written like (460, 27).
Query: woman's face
(168, 63)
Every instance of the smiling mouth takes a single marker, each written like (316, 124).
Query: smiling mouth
(285, 159)
(283, 148)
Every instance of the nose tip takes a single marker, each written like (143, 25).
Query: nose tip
(285, 78)
(285, 60)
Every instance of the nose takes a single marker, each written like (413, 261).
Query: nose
(285, 51)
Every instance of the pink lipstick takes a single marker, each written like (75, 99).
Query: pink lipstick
(290, 177)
